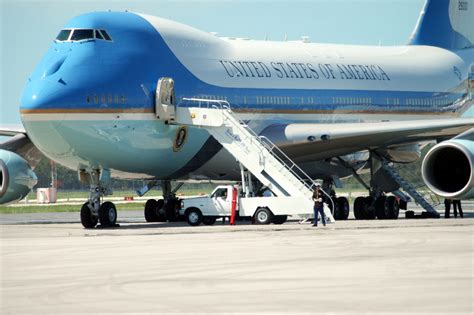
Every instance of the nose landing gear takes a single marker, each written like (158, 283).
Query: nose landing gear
(93, 211)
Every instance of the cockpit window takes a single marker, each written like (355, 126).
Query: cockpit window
(98, 35)
(82, 34)
(72, 35)
(63, 35)
(105, 34)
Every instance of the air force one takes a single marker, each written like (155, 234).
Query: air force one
(336, 110)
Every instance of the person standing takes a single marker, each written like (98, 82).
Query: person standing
(456, 207)
(447, 207)
(318, 205)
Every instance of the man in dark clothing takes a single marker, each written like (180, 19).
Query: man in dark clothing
(447, 207)
(456, 207)
(318, 205)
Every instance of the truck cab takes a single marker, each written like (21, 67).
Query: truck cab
(206, 209)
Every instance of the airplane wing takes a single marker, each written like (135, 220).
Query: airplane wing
(311, 142)
(20, 143)
(11, 129)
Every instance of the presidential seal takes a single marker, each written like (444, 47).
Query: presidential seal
(180, 138)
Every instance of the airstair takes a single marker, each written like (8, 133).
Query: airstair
(410, 189)
(271, 166)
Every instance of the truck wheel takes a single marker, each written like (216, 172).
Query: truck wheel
(208, 220)
(194, 216)
(280, 219)
(263, 216)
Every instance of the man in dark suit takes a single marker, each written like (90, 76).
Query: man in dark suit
(318, 205)
(456, 207)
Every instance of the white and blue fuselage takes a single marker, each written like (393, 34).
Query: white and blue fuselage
(99, 93)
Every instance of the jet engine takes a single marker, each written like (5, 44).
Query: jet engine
(16, 177)
(448, 168)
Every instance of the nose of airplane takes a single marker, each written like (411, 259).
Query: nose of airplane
(43, 93)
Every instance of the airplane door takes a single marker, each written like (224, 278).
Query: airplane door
(165, 99)
(222, 201)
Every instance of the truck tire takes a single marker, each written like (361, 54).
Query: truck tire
(194, 216)
(263, 216)
(280, 219)
(208, 220)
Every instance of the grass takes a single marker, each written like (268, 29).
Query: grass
(16, 209)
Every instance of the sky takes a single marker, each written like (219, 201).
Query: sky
(28, 27)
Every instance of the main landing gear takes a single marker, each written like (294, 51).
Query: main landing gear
(377, 204)
(93, 211)
(381, 207)
(166, 209)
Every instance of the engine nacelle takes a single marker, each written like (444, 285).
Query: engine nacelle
(16, 177)
(448, 169)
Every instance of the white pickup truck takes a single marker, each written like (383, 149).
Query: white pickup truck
(262, 210)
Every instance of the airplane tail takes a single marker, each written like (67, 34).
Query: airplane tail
(447, 24)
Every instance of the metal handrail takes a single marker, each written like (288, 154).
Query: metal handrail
(222, 103)
(270, 146)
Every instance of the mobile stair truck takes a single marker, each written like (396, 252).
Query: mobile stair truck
(228, 201)
(259, 158)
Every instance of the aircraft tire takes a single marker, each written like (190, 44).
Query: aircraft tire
(369, 208)
(107, 214)
(194, 216)
(151, 210)
(280, 219)
(393, 207)
(359, 208)
(343, 208)
(87, 219)
(160, 212)
(170, 210)
(263, 216)
(382, 208)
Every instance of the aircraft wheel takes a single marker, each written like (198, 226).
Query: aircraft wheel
(394, 207)
(382, 208)
(280, 219)
(359, 208)
(369, 208)
(170, 210)
(107, 214)
(343, 207)
(194, 216)
(151, 209)
(87, 219)
(263, 216)
(209, 220)
(160, 212)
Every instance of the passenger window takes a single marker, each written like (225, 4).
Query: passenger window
(105, 35)
(63, 35)
(82, 34)
(98, 35)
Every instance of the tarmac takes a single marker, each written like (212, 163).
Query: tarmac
(51, 265)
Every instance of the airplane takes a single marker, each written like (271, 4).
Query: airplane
(336, 110)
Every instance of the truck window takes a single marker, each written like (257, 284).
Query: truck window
(222, 193)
